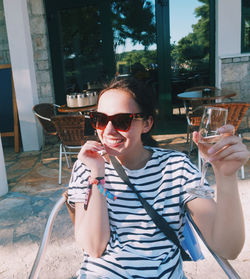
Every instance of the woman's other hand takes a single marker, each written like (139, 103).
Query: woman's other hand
(90, 155)
(228, 154)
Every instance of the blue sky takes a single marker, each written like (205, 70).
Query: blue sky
(181, 19)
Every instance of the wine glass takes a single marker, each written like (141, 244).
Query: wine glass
(212, 119)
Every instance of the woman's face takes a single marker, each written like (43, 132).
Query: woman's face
(119, 143)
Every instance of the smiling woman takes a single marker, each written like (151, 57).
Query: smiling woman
(112, 225)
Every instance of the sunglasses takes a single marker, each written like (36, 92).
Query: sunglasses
(121, 122)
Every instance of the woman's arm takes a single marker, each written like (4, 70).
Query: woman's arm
(92, 230)
(222, 222)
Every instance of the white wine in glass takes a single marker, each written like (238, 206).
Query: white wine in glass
(212, 119)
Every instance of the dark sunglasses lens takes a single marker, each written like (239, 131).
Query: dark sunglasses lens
(98, 120)
(122, 122)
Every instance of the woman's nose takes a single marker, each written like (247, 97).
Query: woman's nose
(110, 128)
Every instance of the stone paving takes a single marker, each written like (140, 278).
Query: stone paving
(33, 191)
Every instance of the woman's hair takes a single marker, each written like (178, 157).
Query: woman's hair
(143, 96)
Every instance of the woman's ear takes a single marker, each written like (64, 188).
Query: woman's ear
(148, 123)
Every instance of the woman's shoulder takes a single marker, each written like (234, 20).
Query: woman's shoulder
(80, 170)
(167, 153)
(78, 166)
(169, 156)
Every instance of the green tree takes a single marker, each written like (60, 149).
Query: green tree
(193, 49)
(133, 19)
(145, 58)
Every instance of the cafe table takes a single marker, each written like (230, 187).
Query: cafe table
(214, 95)
(80, 110)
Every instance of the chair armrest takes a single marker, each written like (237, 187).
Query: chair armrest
(46, 236)
(224, 264)
(57, 106)
(42, 117)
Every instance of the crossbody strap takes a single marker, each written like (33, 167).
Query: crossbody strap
(159, 221)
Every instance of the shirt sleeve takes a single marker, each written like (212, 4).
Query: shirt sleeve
(78, 183)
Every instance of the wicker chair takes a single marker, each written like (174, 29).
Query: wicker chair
(236, 112)
(193, 109)
(70, 130)
(44, 112)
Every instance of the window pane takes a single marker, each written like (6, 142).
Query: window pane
(190, 45)
(135, 38)
(81, 47)
(245, 26)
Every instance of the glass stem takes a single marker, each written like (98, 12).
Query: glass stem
(203, 172)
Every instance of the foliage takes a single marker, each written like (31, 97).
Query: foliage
(145, 58)
(193, 49)
(133, 19)
(78, 41)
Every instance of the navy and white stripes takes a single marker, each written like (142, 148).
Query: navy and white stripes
(137, 249)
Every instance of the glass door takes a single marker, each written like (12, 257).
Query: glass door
(191, 46)
(80, 35)
(95, 40)
(92, 41)
(134, 34)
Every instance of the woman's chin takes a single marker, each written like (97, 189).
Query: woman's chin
(112, 150)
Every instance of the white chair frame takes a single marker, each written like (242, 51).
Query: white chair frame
(63, 151)
(224, 264)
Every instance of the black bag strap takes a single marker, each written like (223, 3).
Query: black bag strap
(159, 221)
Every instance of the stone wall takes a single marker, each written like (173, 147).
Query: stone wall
(39, 36)
(235, 75)
(4, 46)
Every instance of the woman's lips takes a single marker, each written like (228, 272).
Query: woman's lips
(113, 142)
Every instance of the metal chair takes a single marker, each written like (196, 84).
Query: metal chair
(223, 263)
(71, 132)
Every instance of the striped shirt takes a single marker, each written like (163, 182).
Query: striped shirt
(137, 248)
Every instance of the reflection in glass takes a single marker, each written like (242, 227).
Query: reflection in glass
(82, 47)
(190, 54)
(245, 26)
(135, 39)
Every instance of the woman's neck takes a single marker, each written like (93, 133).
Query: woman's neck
(137, 161)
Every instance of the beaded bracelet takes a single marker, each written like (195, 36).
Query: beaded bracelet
(106, 192)
(99, 181)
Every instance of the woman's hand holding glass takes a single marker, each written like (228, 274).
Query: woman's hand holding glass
(228, 154)
(212, 120)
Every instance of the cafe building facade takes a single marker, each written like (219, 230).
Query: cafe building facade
(27, 40)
